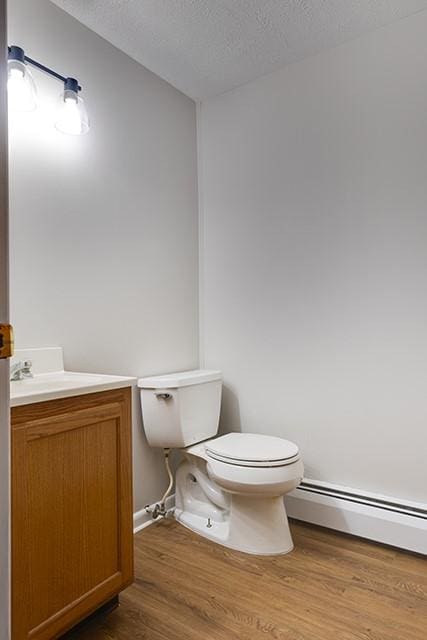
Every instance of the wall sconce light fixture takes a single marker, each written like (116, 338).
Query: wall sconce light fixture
(71, 116)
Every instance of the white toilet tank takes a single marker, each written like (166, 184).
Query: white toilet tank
(180, 409)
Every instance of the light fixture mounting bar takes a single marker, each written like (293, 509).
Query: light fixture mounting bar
(17, 51)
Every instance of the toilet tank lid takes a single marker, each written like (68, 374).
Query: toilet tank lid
(179, 379)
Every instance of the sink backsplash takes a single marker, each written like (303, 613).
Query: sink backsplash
(44, 359)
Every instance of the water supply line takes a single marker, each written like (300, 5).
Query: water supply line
(159, 509)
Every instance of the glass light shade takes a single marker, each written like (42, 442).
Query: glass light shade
(22, 93)
(71, 114)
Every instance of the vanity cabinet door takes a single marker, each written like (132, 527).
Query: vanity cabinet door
(72, 541)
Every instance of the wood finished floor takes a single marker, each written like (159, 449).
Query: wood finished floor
(331, 587)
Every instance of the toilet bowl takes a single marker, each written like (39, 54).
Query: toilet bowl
(228, 488)
(235, 497)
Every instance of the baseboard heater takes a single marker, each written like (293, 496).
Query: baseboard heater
(380, 518)
(359, 498)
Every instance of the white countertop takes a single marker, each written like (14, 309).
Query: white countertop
(50, 381)
(63, 384)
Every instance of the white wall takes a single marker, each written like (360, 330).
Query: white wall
(104, 255)
(314, 236)
(4, 364)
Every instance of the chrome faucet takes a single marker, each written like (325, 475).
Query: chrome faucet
(21, 370)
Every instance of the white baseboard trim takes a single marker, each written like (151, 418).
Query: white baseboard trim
(382, 519)
(142, 519)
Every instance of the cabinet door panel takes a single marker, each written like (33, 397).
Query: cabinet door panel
(70, 521)
(74, 498)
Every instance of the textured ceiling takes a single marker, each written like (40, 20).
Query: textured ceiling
(205, 47)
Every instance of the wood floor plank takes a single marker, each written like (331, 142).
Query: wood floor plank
(331, 587)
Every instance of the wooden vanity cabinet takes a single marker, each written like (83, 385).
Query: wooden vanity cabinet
(72, 538)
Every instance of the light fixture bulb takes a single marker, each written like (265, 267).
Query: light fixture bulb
(71, 114)
(22, 93)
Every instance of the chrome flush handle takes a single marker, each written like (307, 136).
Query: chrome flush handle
(163, 396)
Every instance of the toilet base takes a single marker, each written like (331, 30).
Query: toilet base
(258, 526)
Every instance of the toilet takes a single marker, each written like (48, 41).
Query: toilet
(228, 488)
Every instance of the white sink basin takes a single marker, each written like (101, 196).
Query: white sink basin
(60, 384)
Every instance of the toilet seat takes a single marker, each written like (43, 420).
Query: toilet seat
(252, 450)
(256, 480)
